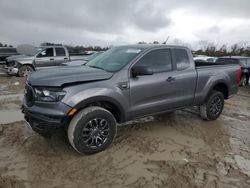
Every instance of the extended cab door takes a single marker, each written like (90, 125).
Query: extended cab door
(185, 77)
(61, 55)
(167, 88)
(45, 58)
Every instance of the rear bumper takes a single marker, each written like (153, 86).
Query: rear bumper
(45, 118)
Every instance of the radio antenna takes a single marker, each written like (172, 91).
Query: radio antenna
(165, 42)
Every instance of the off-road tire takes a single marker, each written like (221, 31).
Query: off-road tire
(25, 70)
(79, 124)
(206, 110)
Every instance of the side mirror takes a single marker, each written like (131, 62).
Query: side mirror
(142, 71)
(41, 54)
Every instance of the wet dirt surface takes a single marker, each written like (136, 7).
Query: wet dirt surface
(171, 150)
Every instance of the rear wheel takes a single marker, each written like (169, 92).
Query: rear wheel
(92, 130)
(213, 106)
(244, 80)
(25, 70)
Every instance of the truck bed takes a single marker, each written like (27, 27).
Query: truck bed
(211, 73)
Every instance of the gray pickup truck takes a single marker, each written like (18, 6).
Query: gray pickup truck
(45, 57)
(122, 84)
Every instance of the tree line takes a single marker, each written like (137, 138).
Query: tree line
(212, 49)
(205, 48)
(224, 50)
(77, 49)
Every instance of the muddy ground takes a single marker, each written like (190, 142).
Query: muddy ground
(172, 150)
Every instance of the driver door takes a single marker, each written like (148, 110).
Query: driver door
(45, 58)
(152, 93)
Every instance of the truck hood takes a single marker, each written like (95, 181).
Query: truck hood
(18, 57)
(56, 77)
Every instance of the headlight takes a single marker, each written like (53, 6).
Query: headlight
(49, 95)
(13, 63)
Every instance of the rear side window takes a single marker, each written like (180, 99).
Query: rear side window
(159, 60)
(181, 58)
(60, 52)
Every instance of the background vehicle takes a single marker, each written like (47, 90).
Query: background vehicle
(46, 57)
(6, 52)
(122, 84)
(244, 63)
(202, 58)
(83, 61)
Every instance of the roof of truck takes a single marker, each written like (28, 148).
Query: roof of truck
(145, 46)
(52, 46)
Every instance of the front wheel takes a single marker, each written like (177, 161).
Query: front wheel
(25, 70)
(213, 106)
(92, 130)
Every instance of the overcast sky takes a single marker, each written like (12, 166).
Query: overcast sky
(114, 22)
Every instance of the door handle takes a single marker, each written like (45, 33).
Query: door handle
(51, 59)
(65, 58)
(170, 79)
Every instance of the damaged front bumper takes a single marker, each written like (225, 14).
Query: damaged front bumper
(46, 118)
(11, 70)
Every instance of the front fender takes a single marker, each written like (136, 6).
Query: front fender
(27, 62)
(84, 97)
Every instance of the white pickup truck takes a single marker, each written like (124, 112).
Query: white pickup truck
(48, 56)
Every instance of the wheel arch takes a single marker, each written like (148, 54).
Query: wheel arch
(26, 64)
(107, 103)
(222, 87)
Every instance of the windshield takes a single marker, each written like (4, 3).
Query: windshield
(114, 59)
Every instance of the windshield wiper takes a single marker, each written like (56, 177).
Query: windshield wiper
(92, 66)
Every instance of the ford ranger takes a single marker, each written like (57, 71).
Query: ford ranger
(122, 84)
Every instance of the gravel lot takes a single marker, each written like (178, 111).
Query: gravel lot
(172, 150)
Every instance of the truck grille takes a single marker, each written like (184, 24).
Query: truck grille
(29, 95)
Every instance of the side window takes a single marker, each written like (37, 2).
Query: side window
(46, 53)
(159, 60)
(60, 52)
(12, 50)
(182, 59)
